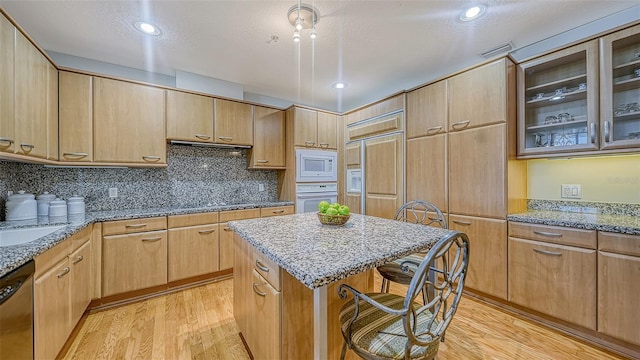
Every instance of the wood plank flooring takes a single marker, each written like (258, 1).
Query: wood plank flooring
(198, 323)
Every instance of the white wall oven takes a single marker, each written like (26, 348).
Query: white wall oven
(308, 196)
(316, 166)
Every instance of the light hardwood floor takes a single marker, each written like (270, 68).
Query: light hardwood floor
(198, 323)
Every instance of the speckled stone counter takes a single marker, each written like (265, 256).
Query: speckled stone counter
(12, 257)
(623, 224)
(317, 254)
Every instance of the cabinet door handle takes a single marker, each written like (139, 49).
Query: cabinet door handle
(324, 145)
(549, 234)
(309, 143)
(135, 226)
(277, 211)
(547, 252)
(592, 128)
(262, 161)
(6, 141)
(261, 266)
(255, 290)
(64, 272)
(153, 239)
(434, 129)
(78, 259)
(460, 124)
(28, 147)
(462, 222)
(75, 154)
(225, 138)
(607, 132)
(226, 229)
(202, 136)
(206, 231)
(150, 158)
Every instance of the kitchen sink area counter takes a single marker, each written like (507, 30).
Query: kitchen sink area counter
(11, 257)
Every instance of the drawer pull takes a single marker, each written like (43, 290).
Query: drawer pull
(462, 222)
(460, 124)
(549, 234)
(135, 226)
(607, 132)
(261, 266)
(277, 211)
(150, 158)
(592, 129)
(76, 154)
(226, 229)
(28, 147)
(434, 129)
(546, 252)
(202, 136)
(5, 141)
(78, 259)
(225, 138)
(64, 272)
(262, 161)
(152, 239)
(255, 290)
(324, 145)
(309, 143)
(206, 231)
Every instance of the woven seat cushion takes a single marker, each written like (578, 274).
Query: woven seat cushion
(371, 332)
(392, 270)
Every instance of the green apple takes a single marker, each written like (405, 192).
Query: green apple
(323, 206)
(344, 210)
(335, 205)
(332, 211)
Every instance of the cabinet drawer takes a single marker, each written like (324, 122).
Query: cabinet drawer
(276, 211)
(619, 243)
(379, 126)
(556, 280)
(175, 221)
(133, 226)
(266, 267)
(554, 234)
(262, 333)
(239, 214)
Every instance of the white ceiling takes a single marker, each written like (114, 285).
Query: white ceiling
(377, 47)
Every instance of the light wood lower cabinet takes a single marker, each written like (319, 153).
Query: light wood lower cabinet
(192, 251)
(226, 247)
(52, 317)
(487, 270)
(133, 261)
(80, 262)
(618, 286)
(263, 332)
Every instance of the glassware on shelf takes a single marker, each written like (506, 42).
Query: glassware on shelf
(551, 119)
(582, 86)
(565, 117)
(636, 72)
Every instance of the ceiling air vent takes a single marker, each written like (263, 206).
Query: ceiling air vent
(502, 49)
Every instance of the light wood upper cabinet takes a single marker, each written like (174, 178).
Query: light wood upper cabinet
(268, 150)
(427, 170)
(52, 112)
(305, 125)
(31, 83)
(478, 97)
(427, 110)
(129, 122)
(383, 157)
(327, 130)
(189, 117)
(233, 123)
(7, 119)
(76, 117)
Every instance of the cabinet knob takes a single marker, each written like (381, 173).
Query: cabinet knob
(77, 259)
(64, 272)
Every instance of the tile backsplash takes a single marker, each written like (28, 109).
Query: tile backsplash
(195, 176)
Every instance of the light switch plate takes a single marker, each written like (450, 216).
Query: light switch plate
(571, 191)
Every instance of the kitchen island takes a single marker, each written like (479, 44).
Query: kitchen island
(287, 270)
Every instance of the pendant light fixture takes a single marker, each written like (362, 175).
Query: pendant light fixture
(303, 16)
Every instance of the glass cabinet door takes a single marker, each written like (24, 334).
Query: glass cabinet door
(558, 108)
(620, 98)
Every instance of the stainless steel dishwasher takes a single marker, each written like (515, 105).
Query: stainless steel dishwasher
(16, 313)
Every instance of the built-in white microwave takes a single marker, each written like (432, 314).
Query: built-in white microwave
(316, 165)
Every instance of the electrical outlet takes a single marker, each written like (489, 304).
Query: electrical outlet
(571, 191)
(113, 192)
(260, 187)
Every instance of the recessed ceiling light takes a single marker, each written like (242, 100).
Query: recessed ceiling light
(339, 85)
(147, 28)
(473, 12)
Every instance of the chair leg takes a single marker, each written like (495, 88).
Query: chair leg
(344, 350)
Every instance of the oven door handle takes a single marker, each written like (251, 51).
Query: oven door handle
(316, 195)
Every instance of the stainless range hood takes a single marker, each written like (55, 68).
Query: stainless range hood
(225, 146)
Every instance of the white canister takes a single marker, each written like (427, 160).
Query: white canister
(43, 203)
(75, 205)
(57, 207)
(21, 206)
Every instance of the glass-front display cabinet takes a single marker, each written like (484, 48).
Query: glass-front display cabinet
(558, 102)
(620, 89)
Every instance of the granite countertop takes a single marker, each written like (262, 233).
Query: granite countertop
(11, 257)
(623, 224)
(318, 254)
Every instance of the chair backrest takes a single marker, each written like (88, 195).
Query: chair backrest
(421, 212)
(449, 258)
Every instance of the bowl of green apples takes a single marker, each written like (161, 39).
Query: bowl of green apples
(333, 214)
